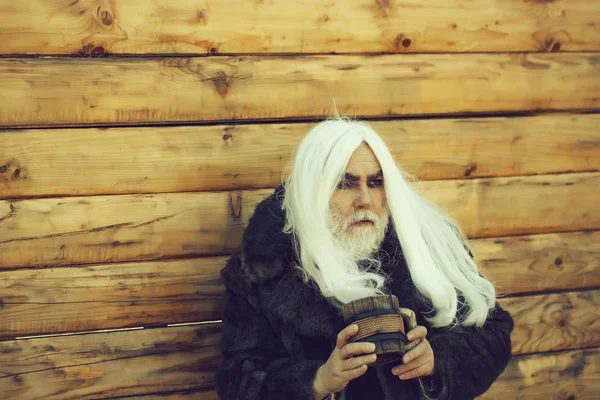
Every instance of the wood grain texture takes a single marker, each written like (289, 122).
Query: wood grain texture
(169, 360)
(91, 161)
(63, 92)
(75, 299)
(565, 375)
(93, 297)
(538, 202)
(118, 228)
(97, 229)
(110, 364)
(86, 27)
(539, 263)
(556, 321)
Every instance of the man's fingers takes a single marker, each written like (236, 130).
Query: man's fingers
(354, 373)
(356, 362)
(416, 352)
(353, 349)
(414, 364)
(345, 334)
(413, 373)
(422, 354)
(418, 333)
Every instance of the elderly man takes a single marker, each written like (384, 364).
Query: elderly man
(347, 224)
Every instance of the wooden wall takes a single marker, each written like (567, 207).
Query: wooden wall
(137, 137)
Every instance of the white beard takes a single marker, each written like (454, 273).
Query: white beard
(359, 241)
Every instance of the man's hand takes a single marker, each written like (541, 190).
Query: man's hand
(342, 365)
(419, 361)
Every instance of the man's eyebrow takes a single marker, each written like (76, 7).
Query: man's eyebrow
(378, 174)
(349, 177)
(353, 178)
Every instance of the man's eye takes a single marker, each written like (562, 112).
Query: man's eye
(376, 183)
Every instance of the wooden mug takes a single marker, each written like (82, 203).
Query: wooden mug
(382, 321)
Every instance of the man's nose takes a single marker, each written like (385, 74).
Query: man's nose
(363, 199)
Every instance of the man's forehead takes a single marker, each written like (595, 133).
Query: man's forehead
(363, 162)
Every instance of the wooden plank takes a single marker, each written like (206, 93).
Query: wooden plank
(75, 230)
(109, 296)
(97, 229)
(91, 161)
(556, 321)
(110, 364)
(136, 27)
(175, 359)
(64, 92)
(540, 263)
(93, 297)
(562, 375)
(504, 206)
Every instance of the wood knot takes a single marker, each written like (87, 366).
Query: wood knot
(213, 50)
(555, 47)
(323, 18)
(235, 202)
(106, 17)
(221, 84)
(227, 136)
(558, 261)
(97, 50)
(470, 169)
(402, 40)
(91, 49)
(12, 170)
(562, 323)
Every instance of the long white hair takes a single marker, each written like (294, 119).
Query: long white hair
(433, 244)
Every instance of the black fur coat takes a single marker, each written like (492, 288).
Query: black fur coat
(278, 330)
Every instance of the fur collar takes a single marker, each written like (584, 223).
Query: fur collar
(267, 252)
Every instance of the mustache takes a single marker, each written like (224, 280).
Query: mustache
(363, 215)
(358, 216)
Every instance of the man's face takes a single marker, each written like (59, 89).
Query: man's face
(359, 210)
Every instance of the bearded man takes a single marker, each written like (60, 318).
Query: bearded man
(348, 224)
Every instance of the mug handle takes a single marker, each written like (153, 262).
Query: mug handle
(410, 323)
